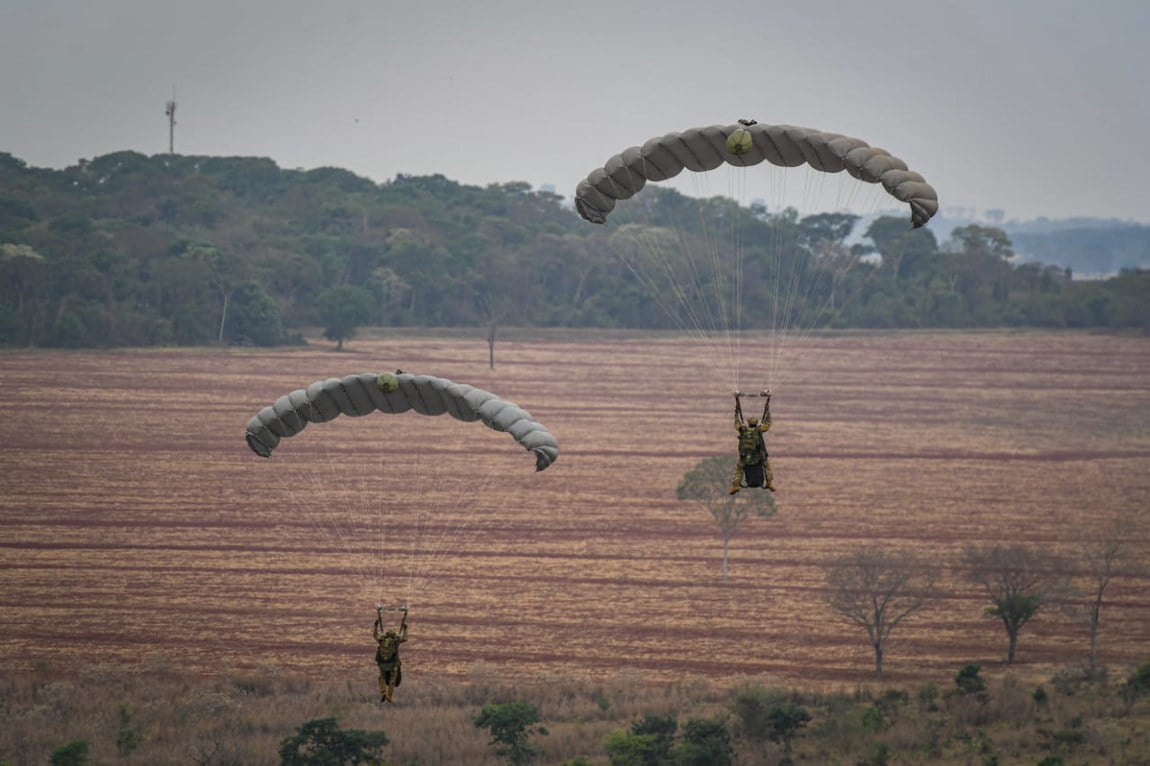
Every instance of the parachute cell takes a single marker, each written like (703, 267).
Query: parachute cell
(362, 394)
(702, 149)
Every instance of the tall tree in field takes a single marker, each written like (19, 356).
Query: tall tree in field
(708, 483)
(877, 588)
(1101, 557)
(342, 310)
(1105, 553)
(1019, 581)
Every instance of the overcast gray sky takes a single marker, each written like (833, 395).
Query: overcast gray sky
(1040, 107)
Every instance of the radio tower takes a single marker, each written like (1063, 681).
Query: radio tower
(170, 110)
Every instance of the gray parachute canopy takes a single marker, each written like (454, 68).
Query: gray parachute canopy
(368, 392)
(699, 149)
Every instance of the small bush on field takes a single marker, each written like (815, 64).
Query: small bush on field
(1070, 681)
(74, 753)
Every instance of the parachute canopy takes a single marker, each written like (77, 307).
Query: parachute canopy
(700, 149)
(362, 394)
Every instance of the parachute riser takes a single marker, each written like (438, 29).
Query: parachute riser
(739, 402)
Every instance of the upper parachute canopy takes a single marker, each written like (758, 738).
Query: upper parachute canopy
(701, 149)
(368, 392)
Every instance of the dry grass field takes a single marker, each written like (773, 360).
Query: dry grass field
(137, 531)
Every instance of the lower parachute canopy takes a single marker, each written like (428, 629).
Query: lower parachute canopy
(368, 392)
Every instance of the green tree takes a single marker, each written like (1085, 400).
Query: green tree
(255, 318)
(876, 589)
(704, 742)
(767, 715)
(904, 250)
(75, 753)
(322, 743)
(661, 728)
(784, 720)
(224, 273)
(342, 310)
(1019, 581)
(511, 725)
(648, 743)
(751, 705)
(626, 748)
(708, 483)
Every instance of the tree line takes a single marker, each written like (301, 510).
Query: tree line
(131, 250)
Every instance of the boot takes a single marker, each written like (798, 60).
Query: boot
(734, 490)
(771, 485)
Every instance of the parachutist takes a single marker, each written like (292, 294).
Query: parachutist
(753, 463)
(387, 653)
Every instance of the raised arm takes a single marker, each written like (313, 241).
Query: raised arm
(765, 423)
(738, 412)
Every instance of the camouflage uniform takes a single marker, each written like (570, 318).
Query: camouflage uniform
(387, 657)
(752, 450)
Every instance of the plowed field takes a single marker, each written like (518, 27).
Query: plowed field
(137, 530)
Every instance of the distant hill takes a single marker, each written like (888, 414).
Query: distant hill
(1090, 247)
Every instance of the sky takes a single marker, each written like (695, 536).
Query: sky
(1035, 107)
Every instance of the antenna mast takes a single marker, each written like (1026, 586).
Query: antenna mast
(170, 110)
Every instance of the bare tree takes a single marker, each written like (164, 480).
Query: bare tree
(1019, 581)
(708, 482)
(501, 287)
(877, 588)
(1105, 553)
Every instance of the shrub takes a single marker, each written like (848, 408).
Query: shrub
(705, 742)
(322, 743)
(1139, 681)
(969, 681)
(510, 725)
(74, 753)
(752, 707)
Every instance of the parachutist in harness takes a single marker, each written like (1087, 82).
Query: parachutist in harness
(753, 468)
(387, 655)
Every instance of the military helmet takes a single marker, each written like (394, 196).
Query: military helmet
(752, 422)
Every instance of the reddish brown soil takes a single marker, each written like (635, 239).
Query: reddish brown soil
(138, 530)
